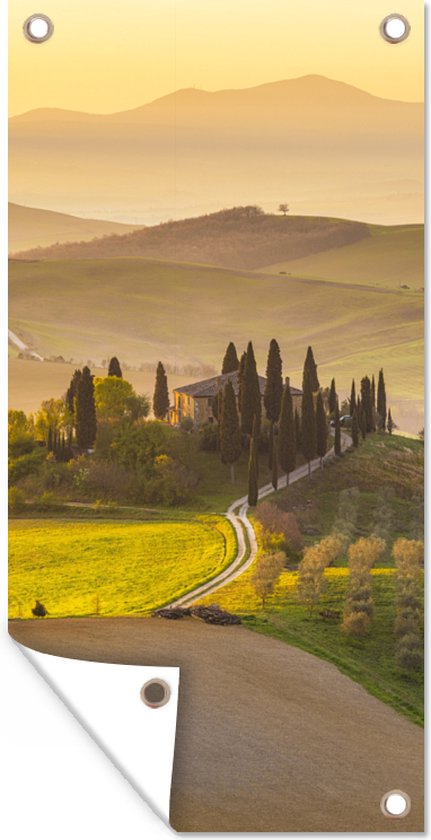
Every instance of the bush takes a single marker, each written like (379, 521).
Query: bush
(356, 623)
(409, 655)
(47, 501)
(408, 620)
(208, 437)
(28, 464)
(16, 500)
(276, 521)
(104, 480)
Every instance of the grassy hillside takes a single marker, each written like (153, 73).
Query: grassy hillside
(380, 462)
(131, 568)
(231, 238)
(392, 258)
(143, 311)
(30, 227)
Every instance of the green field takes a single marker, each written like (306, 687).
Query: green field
(112, 568)
(391, 258)
(143, 311)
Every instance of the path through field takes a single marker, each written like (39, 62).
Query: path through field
(237, 514)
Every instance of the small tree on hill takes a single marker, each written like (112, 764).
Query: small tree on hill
(161, 394)
(273, 391)
(267, 571)
(287, 434)
(381, 401)
(114, 368)
(283, 208)
(321, 429)
(230, 361)
(85, 413)
(391, 424)
(337, 432)
(251, 406)
(332, 397)
(230, 435)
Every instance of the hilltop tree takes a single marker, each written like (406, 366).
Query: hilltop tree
(283, 208)
(321, 429)
(72, 391)
(308, 423)
(161, 394)
(367, 403)
(273, 391)
(253, 491)
(381, 400)
(310, 371)
(287, 434)
(230, 434)
(114, 368)
(230, 361)
(355, 429)
(85, 414)
(332, 397)
(268, 569)
(337, 432)
(251, 407)
(241, 372)
(352, 399)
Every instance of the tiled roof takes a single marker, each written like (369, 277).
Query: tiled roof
(210, 387)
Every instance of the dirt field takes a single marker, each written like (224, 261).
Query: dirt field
(269, 738)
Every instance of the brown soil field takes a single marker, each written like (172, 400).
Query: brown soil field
(269, 738)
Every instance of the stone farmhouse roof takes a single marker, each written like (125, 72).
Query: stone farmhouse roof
(210, 387)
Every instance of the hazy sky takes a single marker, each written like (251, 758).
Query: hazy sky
(111, 55)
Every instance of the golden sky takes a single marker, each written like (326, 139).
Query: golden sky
(111, 55)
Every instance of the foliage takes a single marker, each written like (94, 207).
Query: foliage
(308, 420)
(208, 437)
(337, 431)
(161, 400)
(112, 396)
(321, 428)
(276, 521)
(253, 489)
(251, 407)
(51, 416)
(114, 368)
(230, 361)
(358, 608)
(20, 433)
(311, 580)
(25, 465)
(230, 434)
(408, 556)
(381, 401)
(332, 399)
(85, 411)
(267, 570)
(16, 500)
(310, 371)
(367, 404)
(347, 513)
(287, 433)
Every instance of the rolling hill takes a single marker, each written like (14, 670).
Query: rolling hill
(326, 147)
(145, 310)
(30, 227)
(240, 238)
(390, 257)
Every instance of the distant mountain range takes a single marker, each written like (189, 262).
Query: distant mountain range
(30, 227)
(325, 147)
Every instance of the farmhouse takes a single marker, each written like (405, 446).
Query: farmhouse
(196, 400)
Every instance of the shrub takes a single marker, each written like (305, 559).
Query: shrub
(29, 464)
(356, 623)
(208, 437)
(16, 500)
(103, 480)
(276, 521)
(47, 501)
(409, 654)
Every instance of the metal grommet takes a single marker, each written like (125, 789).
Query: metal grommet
(38, 28)
(155, 693)
(396, 804)
(395, 28)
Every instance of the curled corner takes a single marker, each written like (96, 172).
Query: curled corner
(105, 699)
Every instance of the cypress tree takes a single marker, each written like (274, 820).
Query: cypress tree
(308, 423)
(310, 371)
(230, 435)
(287, 434)
(161, 394)
(355, 429)
(114, 368)
(353, 399)
(230, 361)
(321, 428)
(367, 403)
(275, 463)
(72, 392)
(381, 400)
(216, 404)
(251, 406)
(332, 397)
(390, 422)
(253, 491)
(298, 437)
(241, 373)
(85, 415)
(273, 391)
(373, 392)
(337, 439)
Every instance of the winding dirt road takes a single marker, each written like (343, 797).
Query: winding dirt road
(237, 514)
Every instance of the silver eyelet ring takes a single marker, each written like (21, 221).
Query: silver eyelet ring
(391, 804)
(38, 28)
(155, 693)
(395, 37)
